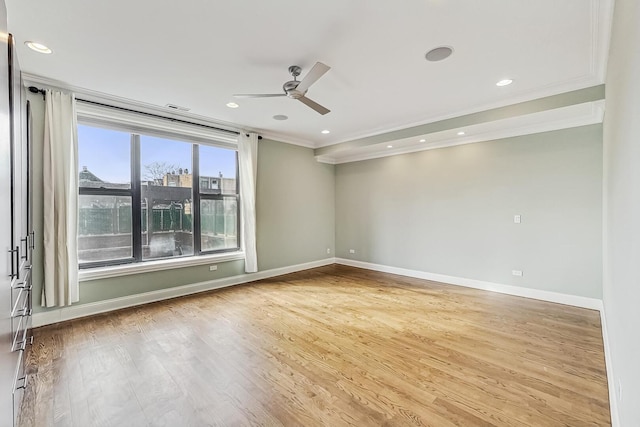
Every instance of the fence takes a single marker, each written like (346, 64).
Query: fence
(99, 221)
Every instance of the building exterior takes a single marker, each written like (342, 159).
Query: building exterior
(179, 178)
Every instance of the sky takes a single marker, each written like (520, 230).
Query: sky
(107, 154)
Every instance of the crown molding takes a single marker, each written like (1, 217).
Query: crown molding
(574, 84)
(499, 115)
(287, 139)
(567, 117)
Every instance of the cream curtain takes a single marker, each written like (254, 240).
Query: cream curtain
(60, 173)
(248, 165)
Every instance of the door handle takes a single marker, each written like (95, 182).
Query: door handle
(26, 247)
(12, 274)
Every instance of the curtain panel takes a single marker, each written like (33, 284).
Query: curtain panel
(248, 167)
(60, 173)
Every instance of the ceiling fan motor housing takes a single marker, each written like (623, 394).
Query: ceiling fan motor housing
(290, 89)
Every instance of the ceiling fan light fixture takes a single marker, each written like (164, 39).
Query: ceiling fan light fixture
(504, 82)
(38, 47)
(439, 53)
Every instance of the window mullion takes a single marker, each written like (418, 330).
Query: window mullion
(136, 200)
(195, 205)
(88, 191)
(239, 229)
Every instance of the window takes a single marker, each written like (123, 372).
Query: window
(166, 188)
(146, 197)
(105, 199)
(218, 200)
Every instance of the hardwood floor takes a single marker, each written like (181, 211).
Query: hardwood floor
(330, 346)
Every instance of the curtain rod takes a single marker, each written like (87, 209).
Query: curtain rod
(34, 89)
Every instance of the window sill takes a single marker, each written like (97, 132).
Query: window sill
(163, 264)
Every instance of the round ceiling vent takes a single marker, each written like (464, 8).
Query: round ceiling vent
(280, 117)
(439, 53)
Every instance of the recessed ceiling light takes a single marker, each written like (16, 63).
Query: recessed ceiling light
(326, 131)
(505, 82)
(423, 140)
(461, 133)
(439, 53)
(232, 105)
(389, 146)
(280, 117)
(38, 47)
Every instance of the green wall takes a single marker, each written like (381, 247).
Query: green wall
(450, 211)
(295, 220)
(296, 206)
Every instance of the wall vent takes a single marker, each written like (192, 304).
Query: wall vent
(177, 107)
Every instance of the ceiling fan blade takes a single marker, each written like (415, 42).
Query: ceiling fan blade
(258, 95)
(312, 76)
(312, 104)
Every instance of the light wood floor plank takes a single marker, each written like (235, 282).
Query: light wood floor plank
(332, 346)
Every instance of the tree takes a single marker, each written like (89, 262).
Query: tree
(157, 170)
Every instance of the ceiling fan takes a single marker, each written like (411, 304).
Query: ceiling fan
(295, 89)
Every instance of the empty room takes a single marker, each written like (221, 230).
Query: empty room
(336, 213)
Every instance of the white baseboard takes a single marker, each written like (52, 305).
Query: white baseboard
(67, 313)
(73, 312)
(613, 400)
(577, 301)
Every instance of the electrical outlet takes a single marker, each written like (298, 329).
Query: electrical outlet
(213, 267)
(517, 219)
(328, 250)
(516, 273)
(352, 251)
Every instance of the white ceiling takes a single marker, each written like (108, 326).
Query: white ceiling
(197, 53)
